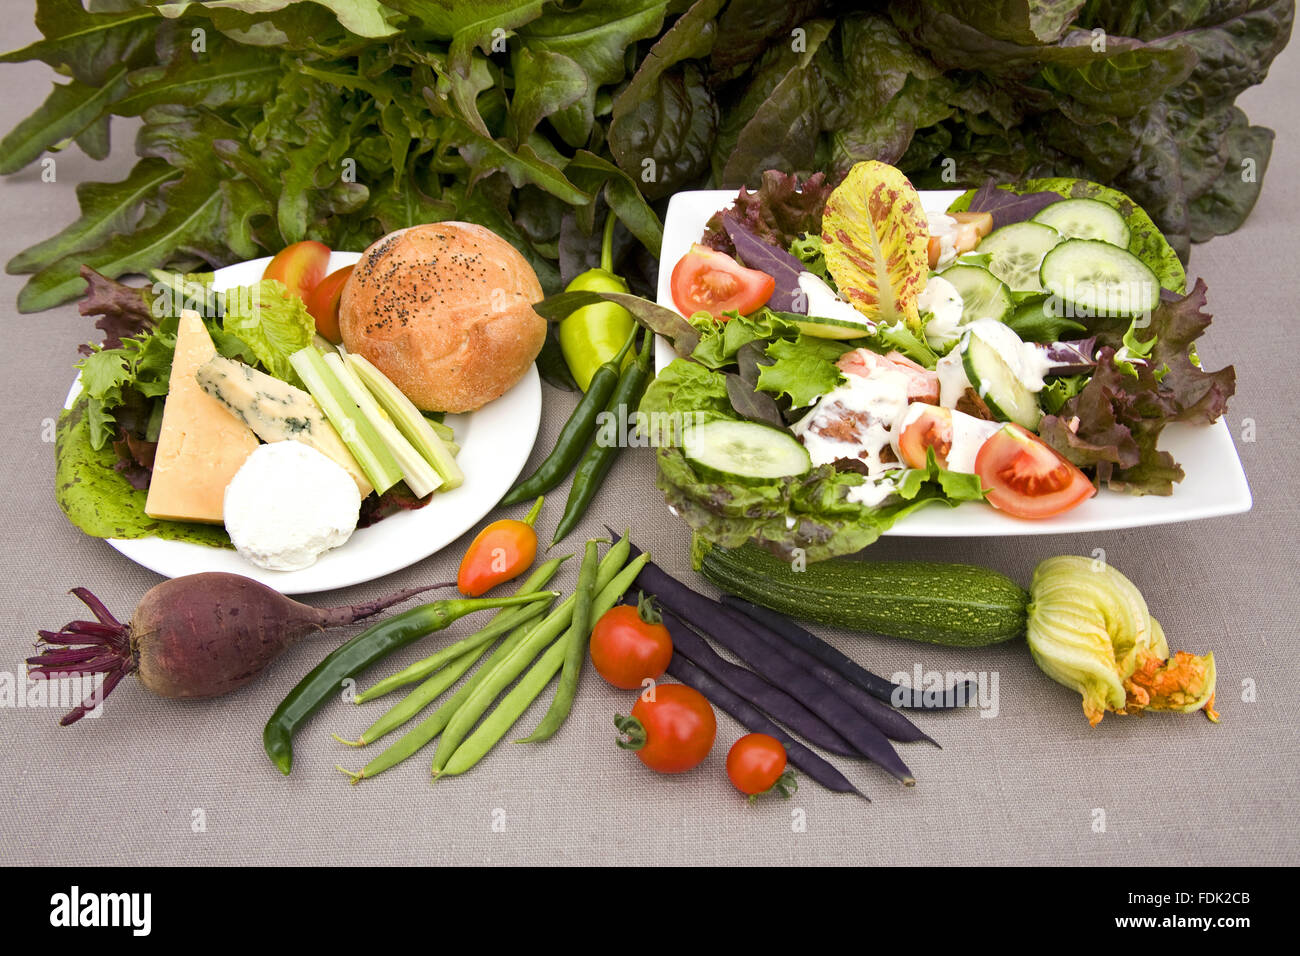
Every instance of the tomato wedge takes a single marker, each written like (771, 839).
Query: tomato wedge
(1026, 478)
(981, 221)
(323, 303)
(932, 428)
(300, 266)
(707, 281)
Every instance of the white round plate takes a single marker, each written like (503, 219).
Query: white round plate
(495, 443)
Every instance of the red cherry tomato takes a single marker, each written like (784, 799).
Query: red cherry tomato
(672, 733)
(300, 266)
(1026, 478)
(630, 644)
(932, 428)
(708, 281)
(756, 764)
(500, 552)
(323, 303)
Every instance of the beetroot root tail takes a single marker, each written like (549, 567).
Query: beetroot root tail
(85, 649)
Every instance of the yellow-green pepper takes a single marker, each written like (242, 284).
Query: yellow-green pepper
(594, 334)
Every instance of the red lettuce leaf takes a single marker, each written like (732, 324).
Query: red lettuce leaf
(754, 253)
(1008, 207)
(123, 310)
(781, 210)
(1113, 425)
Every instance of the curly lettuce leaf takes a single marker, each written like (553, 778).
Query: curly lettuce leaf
(783, 208)
(1114, 422)
(273, 323)
(803, 369)
(874, 237)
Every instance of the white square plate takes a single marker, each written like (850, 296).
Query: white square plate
(1214, 484)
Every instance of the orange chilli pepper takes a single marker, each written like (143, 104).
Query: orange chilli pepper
(502, 551)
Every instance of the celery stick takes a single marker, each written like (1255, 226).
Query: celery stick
(420, 478)
(354, 428)
(417, 429)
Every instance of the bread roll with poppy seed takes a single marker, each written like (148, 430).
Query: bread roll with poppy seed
(445, 310)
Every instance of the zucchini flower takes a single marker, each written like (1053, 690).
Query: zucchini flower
(1089, 628)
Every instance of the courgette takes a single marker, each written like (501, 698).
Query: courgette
(959, 605)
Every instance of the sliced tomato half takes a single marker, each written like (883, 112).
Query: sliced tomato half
(299, 266)
(1026, 478)
(323, 303)
(705, 280)
(932, 428)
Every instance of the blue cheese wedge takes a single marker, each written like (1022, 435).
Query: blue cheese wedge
(276, 411)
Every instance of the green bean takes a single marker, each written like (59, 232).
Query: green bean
(419, 735)
(575, 642)
(349, 659)
(500, 672)
(432, 688)
(576, 432)
(500, 624)
(598, 460)
(512, 706)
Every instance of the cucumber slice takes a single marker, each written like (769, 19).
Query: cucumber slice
(1016, 252)
(1093, 277)
(823, 328)
(983, 295)
(1085, 219)
(744, 452)
(1005, 395)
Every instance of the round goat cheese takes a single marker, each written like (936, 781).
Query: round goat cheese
(288, 504)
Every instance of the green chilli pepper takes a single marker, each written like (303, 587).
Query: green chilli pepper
(598, 460)
(576, 433)
(592, 335)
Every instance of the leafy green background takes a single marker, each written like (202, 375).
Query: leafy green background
(340, 120)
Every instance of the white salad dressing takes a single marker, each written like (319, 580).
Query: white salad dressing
(944, 303)
(824, 303)
(871, 403)
(944, 228)
(1027, 361)
(952, 379)
(871, 492)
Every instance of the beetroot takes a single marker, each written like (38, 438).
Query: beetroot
(200, 635)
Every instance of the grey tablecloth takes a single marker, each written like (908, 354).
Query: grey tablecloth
(161, 782)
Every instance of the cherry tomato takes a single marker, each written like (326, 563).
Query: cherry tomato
(500, 552)
(323, 303)
(708, 281)
(672, 733)
(930, 429)
(629, 644)
(1026, 478)
(300, 266)
(756, 764)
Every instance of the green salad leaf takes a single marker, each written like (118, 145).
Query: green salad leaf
(803, 369)
(99, 500)
(272, 322)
